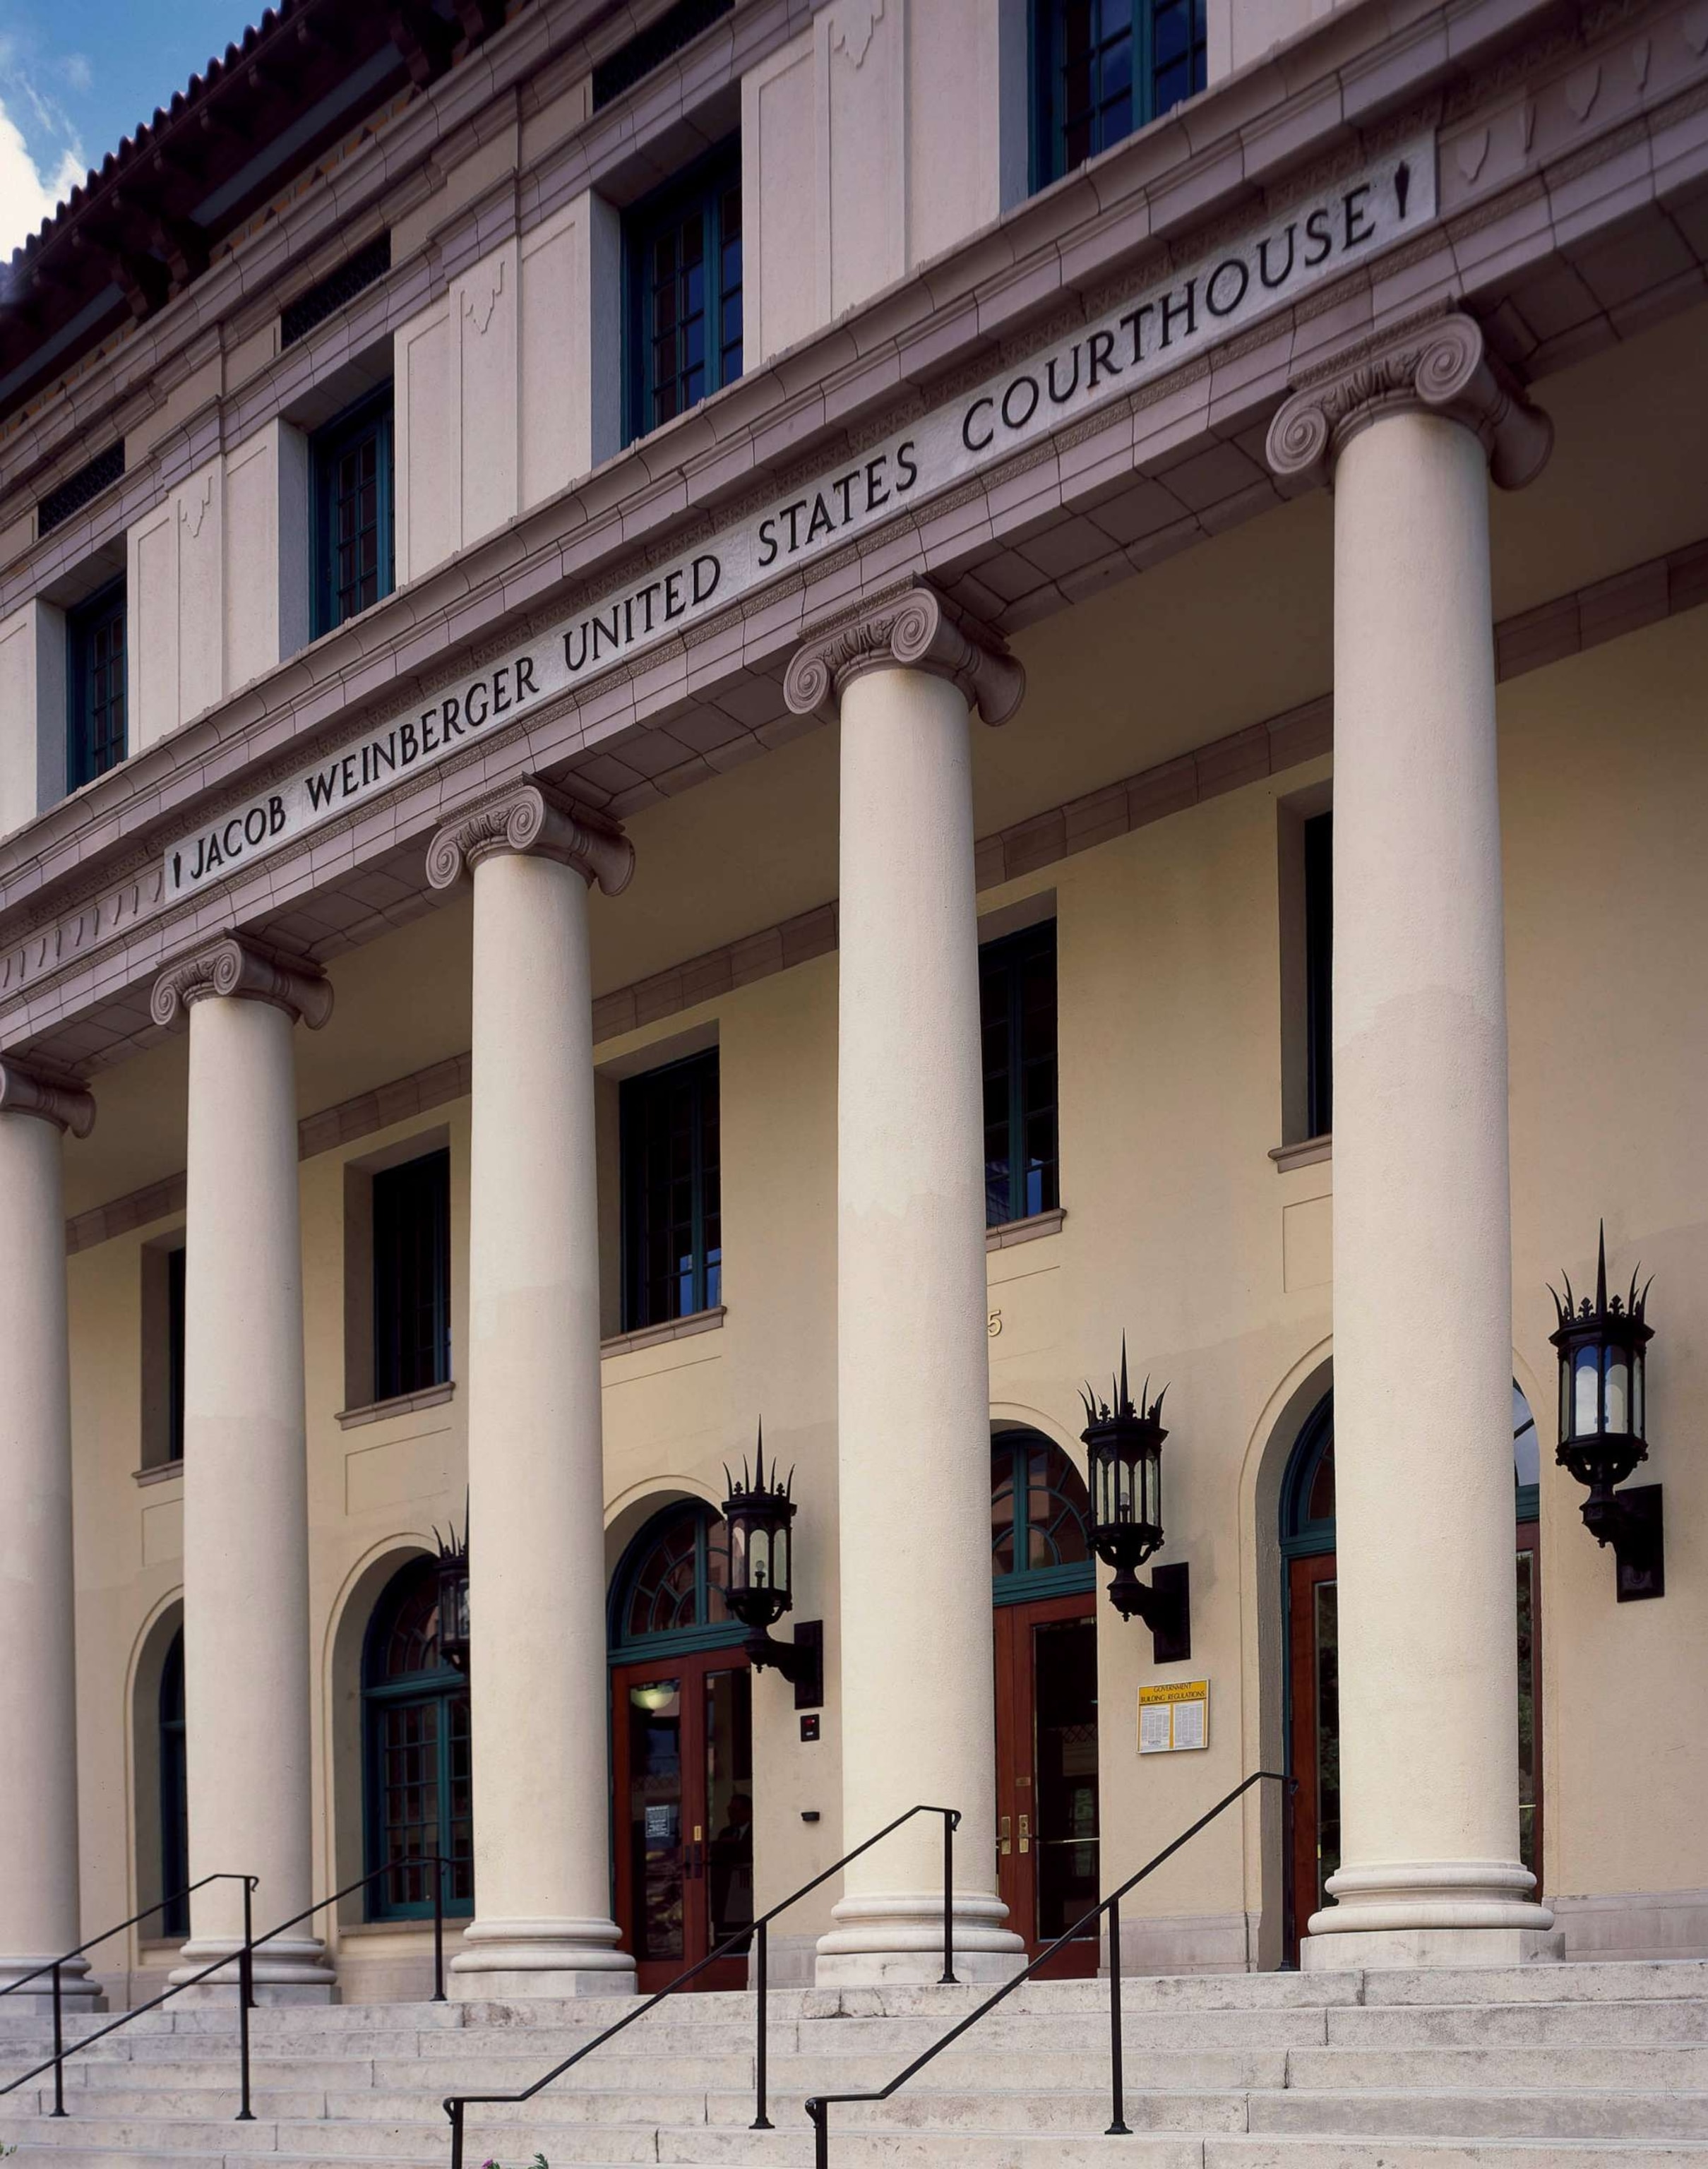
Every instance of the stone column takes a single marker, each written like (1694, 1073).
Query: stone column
(539, 1682)
(38, 1909)
(245, 1645)
(913, 1374)
(1410, 429)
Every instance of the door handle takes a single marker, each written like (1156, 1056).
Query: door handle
(1007, 1846)
(1026, 1833)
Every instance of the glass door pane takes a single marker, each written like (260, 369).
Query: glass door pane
(654, 1782)
(1064, 1674)
(729, 1803)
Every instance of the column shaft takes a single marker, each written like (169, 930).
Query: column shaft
(38, 1910)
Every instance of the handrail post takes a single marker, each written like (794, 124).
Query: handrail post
(439, 1929)
(948, 1979)
(58, 2046)
(819, 2113)
(455, 2110)
(246, 1997)
(761, 2122)
(1119, 2128)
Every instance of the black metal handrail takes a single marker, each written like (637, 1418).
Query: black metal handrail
(456, 2104)
(820, 2106)
(244, 1956)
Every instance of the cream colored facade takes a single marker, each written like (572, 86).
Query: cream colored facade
(1499, 687)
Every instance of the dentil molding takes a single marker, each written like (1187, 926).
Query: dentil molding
(532, 817)
(1440, 366)
(233, 968)
(23, 1093)
(911, 628)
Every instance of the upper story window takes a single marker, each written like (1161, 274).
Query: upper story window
(1103, 67)
(412, 1276)
(1016, 1015)
(672, 1230)
(353, 498)
(683, 253)
(174, 1354)
(1319, 973)
(95, 686)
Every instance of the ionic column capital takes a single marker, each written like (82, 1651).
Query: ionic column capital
(1439, 366)
(534, 819)
(231, 967)
(23, 1093)
(910, 627)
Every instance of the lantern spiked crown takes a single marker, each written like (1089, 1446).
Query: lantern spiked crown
(1602, 1345)
(760, 1514)
(1124, 1447)
(453, 1594)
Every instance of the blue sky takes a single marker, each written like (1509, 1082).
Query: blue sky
(76, 75)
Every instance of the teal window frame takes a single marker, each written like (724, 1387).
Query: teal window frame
(340, 591)
(1022, 1075)
(436, 1687)
(689, 1533)
(669, 1143)
(1024, 1466)
(97, 720)
(1158, 47)
(702, 205)
(175, 1795)
(412, 1276)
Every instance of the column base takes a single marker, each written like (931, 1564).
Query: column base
(501, 1960)
(1431, 1913)
(287, 1969)
(900, 1937)
(78, 1991)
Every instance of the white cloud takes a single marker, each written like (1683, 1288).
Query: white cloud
(27, 196)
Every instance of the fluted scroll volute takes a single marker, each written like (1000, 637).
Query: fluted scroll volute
(532, 817)
(1441, 365)
(52, 1100)
(912, 628)
(237, 970)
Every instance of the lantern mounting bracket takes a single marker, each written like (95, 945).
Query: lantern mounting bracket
(801, 1662)
(1165, 1607)
(1630, 1520)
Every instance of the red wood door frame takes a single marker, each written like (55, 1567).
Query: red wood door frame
(1016, 1774)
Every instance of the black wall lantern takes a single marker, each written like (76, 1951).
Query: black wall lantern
(453, 1596)
(1123, 1446)
(1601, 1425)
(760, 1514)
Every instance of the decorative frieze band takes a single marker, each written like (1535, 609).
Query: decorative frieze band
(1442, 365)
(23, 1093)
(911, 627)
(234, 968)
(533, 818)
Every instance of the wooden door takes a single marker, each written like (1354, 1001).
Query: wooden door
(1047, 1851)
(1313, 1653)
(682, 1759)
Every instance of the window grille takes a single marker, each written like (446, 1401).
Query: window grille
(652, 47)
(352, 277)
(78, 489)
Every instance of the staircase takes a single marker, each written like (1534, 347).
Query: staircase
(1526, 2068)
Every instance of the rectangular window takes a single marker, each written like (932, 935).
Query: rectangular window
(174, 1355)
(1017, 1017)
(672, 1233)
(1101, 68)
(352, 511)
(682, 251)
(95, 684)
(1319, 972)
(412, 1276)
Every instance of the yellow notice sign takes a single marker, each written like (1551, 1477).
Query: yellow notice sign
(1173, 1719)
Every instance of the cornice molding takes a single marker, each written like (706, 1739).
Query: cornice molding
(911, 628)
(23, 1093)
(533, 819)
(1442, 365)
(236, 970)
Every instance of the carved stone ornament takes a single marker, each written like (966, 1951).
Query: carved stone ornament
(910, 627)
(231, 967)
(1442, 367)
(23, 1093)
(533, 818)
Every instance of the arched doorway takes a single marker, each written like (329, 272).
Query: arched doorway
(1043, 1587)
(1310, 1615)
(416, 1767)
(681, 1723)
